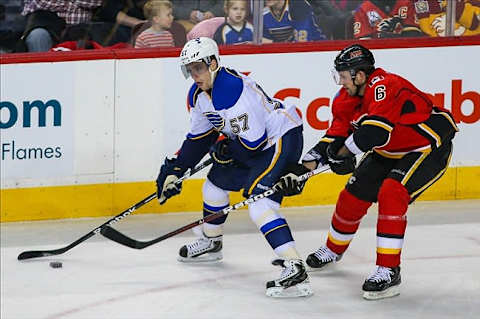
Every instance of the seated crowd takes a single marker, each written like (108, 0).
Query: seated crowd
(52, 25)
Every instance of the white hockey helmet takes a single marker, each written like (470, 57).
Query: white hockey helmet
(198, 50)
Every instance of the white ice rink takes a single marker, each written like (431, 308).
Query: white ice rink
(101, 279)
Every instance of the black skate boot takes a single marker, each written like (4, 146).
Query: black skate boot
(383, 283)
(202, 249)
(293, 281)
(321, 258)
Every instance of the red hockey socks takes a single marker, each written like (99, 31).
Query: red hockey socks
(345, 221)
(393, 199)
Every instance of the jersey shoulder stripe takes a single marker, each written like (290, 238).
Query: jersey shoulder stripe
(193, 95)
(227, 89)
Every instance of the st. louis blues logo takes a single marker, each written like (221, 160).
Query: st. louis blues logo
(217, 121)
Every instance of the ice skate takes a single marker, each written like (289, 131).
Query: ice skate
(203, 249)
(383, 283)
(293, 281)
(322, 258)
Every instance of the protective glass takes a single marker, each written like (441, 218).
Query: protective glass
(335, 76)
(340, 77)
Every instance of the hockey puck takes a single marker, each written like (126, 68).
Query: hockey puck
(56, 264)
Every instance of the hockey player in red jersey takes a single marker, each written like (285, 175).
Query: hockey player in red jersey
(407, 143)
(385, 19)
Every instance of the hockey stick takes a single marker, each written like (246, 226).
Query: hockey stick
(44, 253)
(122, 239)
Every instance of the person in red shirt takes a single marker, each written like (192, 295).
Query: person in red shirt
(407, 143)
(385, 19)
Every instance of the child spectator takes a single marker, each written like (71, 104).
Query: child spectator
(159, 13)
(432, 17)
(289, 21)
(236, 29)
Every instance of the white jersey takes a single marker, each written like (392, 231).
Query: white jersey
(239, 108)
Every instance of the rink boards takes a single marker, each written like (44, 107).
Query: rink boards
(87, 137)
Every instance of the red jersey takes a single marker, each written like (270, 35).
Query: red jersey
(368, 16)
(344, 108)
(398, 108)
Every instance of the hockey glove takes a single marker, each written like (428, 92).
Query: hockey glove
(290, 184)
(341, 165)
(390, 26)
(167, 185)
(316, 154)
(220, 152)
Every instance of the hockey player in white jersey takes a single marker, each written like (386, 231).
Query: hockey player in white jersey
(263, 138)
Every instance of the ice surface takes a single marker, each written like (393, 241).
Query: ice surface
(101, 279)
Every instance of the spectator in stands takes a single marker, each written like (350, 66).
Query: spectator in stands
(159, 13)
(285, 21)
(47, 19)
(334, 15)
(191, 12)
(116, 19)
(432, 17)
(12, 25)
(236, 29)
(385, 19)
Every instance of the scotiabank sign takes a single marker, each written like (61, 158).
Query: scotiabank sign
(464, 105)
(458, 103)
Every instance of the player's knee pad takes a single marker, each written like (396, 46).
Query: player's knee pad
(214, 200)
(349, 211)
(264, 211)
(393, 199)
(214, 195)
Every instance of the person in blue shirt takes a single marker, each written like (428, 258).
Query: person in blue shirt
(289, 21)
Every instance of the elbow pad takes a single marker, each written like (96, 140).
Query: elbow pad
(370, 136)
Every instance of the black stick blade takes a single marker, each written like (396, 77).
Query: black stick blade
(37, 253)
(118, 237)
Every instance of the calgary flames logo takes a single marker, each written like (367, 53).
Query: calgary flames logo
(355, 54)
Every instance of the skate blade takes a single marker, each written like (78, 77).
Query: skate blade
(211, 257)
(299, 290)
(387, 293)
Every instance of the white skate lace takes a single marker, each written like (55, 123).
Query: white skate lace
(325, 254)
(380, 274)
(289, 270)
(199, 245)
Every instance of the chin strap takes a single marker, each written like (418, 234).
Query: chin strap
(213, 74)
